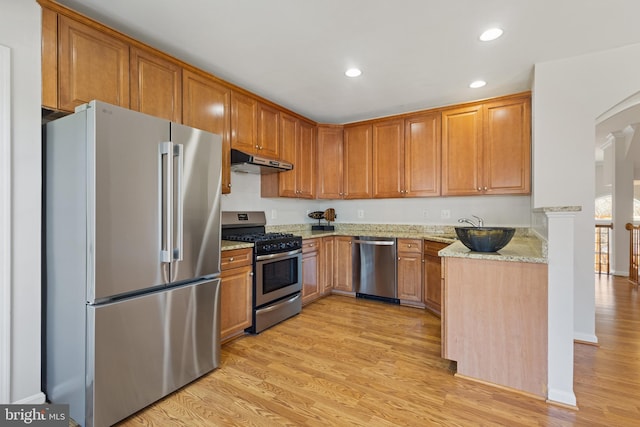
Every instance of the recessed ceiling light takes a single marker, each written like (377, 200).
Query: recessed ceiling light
(491, 34)
(353, 72)
(477, 84)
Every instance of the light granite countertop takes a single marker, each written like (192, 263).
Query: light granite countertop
(524, 247)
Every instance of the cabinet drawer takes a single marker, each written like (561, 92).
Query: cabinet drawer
(432, 248)
(410, 245)
(236, 258)
(310, 245)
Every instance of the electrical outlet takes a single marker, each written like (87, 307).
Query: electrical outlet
(360, 213)
(274, 214)
(445, 213)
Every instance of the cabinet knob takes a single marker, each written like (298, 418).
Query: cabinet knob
(251, 273)
(399, 258)
(409, 245)
(485, 188)
(479, 189)
(231, 259)
(229, 185)
(261, 147)
(257, 147)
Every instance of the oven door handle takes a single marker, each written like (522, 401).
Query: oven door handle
(278, 256)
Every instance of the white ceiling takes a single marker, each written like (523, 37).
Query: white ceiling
(414, 54)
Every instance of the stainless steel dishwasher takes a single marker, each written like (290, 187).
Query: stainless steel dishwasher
(374, 268)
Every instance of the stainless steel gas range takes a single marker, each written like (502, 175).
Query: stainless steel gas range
(277, 266)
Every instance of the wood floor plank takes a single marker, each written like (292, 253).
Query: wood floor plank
(353, 362)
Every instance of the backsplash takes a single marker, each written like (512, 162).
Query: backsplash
(514, 211)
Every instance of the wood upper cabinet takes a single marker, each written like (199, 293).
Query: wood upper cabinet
(486, 148)
(49, 59)
(462, 151)
(244, 123)
(268, 143)
(507, 146)
(433, 276)
(357, 162)
(297, 146)
(329, 161)
(305, 165)
(388, 159)
(342, 279)
(311, 270)
(422, 155)
(207, 107)
(156, 85)
(92, 65)
(410, 271)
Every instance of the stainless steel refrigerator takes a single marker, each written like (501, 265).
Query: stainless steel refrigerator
(132, 241)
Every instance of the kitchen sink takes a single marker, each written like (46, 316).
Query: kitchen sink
(485, 239)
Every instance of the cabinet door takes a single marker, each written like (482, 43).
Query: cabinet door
(49, 58)
(422, 156)
(329, 162)
(410, 277)
(92, 65)
(288, 151)
(343, 280)
(310, 271)
(328, 259)
(433, 277)
(462, 151)
(306, 161)
(388, 159)
(507, 147)
(235, 301)
(358, 161)
(268, 131)
(244, 122)
(156, 86)
(207, 107)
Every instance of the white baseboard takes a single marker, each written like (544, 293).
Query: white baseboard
(590, 338)
(36, 399)
(562, 396)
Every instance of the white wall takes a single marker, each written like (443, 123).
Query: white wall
(496, 210)
(568, 96)
(20, 31)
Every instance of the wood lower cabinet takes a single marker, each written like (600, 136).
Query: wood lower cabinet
(156, 85)
(207, 106)
(410, 271)
(433, 276)
(91, 65)
(486, 148)
(311, 270)
(328, 262)
(236, 287)
(343, 280)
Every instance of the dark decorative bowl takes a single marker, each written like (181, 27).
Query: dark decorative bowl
(485, 239)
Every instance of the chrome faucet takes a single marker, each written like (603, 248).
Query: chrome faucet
(473, 224)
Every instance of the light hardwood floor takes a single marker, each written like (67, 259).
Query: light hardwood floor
(348, 362)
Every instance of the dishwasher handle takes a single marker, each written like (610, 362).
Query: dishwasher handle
(375, 242)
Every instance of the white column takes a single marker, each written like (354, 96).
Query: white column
(560, 246)
(622, 200)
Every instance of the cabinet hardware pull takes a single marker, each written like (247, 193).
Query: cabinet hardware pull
(231, 259)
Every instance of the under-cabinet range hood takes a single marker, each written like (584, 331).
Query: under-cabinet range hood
(249, 163)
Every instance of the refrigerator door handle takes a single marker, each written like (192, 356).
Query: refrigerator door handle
(165, 178)
(178, 153)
